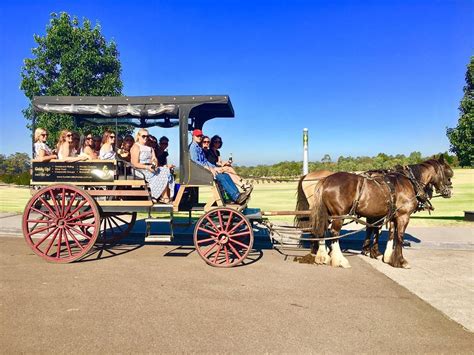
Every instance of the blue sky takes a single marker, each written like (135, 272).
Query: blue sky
(363, 76)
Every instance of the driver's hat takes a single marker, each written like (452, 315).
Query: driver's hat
(197, 132)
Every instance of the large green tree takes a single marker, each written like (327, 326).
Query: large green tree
(71, 59)
(461, 137)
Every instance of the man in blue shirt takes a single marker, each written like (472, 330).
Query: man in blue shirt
(197, 155)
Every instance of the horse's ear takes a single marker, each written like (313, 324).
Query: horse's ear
(441, 158)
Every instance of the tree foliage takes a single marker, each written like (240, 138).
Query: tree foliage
(461, 137)
(71, 60)
(292, 169)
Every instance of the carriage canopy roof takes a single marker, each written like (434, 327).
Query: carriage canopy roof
(138, 111)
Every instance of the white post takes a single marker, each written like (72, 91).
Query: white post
(305, 151)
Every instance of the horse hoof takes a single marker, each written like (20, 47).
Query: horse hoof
(405, 265)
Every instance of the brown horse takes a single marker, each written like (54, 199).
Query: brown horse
(305, 194)
(394, 196)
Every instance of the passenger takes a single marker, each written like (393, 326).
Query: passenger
(97, 143)
(224, 180)
(87, 149)
(152, 142)
(118, 142)
(162, 152)
(214, 157)
(65, 147)
(205, 145)
(76, 142)
(124, 151)
(42, 151)
(107, 149)
(144, 161)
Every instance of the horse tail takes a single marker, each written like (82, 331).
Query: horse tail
(319, 212)
(302, 204)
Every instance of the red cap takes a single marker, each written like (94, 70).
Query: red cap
(197, 132)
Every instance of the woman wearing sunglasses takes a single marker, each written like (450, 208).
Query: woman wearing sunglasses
(65, 147)
(87, 146)
(42, 151)
(214, 157)
(144, 161)
(107, 151)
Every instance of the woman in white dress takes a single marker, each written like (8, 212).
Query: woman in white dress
(107, 151)
(42, 151)
(144, 161)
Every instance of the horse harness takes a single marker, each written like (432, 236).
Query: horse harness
(382, 179)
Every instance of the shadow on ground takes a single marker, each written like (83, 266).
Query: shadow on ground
(184, 246)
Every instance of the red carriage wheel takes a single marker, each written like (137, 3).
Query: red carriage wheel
(61, 223)
(115, 226)
(223, 237)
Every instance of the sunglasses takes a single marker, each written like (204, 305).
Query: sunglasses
(144, 136)
(44, 134)
(88, 138)
(68, 135)
(217, 141)
(206, 141)
(112, 136)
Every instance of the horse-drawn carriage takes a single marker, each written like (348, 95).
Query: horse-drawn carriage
(75, 205)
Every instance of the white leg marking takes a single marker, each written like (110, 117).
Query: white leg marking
(387, 256)
(322, 255)
(337, 259)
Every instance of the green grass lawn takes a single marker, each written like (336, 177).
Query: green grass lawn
(282, 196)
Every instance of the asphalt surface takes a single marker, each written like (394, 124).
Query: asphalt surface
(164, 299)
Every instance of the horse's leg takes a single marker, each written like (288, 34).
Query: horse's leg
(387, 256)
(322, 256)
(374, 250)
(397, 259)
(337, 259)
(366, 246)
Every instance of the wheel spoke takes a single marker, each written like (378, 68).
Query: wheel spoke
(220, 219)
(231, 215)
(79, 232)
(212, 224)
(120, 219)
(210, 249)
(240, 234)
(39, 221)
(71, 202)
(206, 240)
(43, 239)
(237, 225)
(55, 203)
(47, 205)
(116, 224)
(81, 216)
(207, 231)
(226, 252)
(236, 253)
(39, 230)
(67, 242)
(74, 238)
(217, 253)
(51, 242)
(58, 252)
(238, 243)
(82, 203)
(41, 212)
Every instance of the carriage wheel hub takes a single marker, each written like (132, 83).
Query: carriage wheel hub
(61, 223)
(223, 238)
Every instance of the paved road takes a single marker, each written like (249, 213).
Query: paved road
(156, 298)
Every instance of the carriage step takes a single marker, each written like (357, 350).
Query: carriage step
(162, 207)
(158, 220)
(158, 238)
